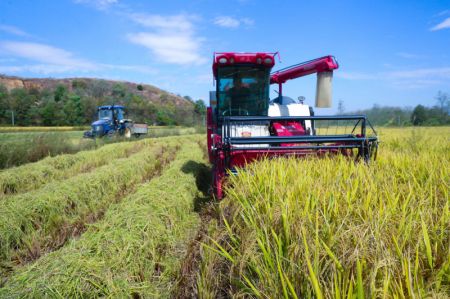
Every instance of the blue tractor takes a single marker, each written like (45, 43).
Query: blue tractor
(111, 122)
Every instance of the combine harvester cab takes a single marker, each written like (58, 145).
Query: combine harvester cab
(244, 125)
(111, 121)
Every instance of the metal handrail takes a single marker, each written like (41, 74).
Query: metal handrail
(290, 148)
(308, 139)
(275, 118)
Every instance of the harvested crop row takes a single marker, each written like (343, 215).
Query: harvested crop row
(32, 176)
(335, 229)
(40, 221)
(134, 251)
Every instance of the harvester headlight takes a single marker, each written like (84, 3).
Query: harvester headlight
(268, 60)
(231, 60)
(258, 60)
(222, 60)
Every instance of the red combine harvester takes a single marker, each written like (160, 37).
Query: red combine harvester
(244, 125)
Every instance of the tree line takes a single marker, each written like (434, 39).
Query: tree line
(77, 105)
(406, 116)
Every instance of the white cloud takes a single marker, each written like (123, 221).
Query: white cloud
(48, 69)
(433, 73)
(230, 22)
(415, 84)
(177, 22)
(417, 78)
(172, 39)
(443, 25)
(355, 76)
(44, 54)
(227, 22)
(46, 59)
(7, 60)
(427, 73)
(443, 13)
(248, 22)
(13, 30)
(99, 4)
(171, 48)
(132, 68)
(408, 55)
(43, 69)
(206, 78)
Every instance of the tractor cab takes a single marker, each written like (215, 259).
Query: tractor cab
(112, 113)
(109, 120)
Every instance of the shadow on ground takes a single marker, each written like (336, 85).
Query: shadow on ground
(202, 173)
(204, 206)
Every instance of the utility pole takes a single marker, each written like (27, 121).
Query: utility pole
(341, 108)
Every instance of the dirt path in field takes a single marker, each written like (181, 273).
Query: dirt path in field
(205, 206)
(187, 285)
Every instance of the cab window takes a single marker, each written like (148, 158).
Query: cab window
(242, 90)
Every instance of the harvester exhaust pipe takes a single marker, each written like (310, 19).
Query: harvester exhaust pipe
(324, 89)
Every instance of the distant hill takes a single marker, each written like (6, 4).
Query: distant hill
(39, 95)
(148, 92)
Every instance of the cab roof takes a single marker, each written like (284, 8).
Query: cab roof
(109, 107)
(234, 58)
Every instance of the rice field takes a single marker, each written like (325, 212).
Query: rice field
(134, 219)
(330, 228)
(137, 246)
(126, 206)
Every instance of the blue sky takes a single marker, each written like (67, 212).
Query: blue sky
(394, 53)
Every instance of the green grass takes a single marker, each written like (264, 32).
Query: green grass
(136, 249)
(20, 148)
(173, 131)
(331, 228)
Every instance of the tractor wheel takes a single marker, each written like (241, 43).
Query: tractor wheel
(127, 133)
(110, 134)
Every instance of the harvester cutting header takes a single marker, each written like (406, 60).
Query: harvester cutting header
(245, 125)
